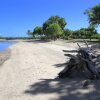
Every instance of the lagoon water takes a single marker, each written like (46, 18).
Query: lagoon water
(5, 45)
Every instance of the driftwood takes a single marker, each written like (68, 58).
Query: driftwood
(83, 61)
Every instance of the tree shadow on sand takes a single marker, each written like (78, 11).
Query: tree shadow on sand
(67, 89)
(38, 41)
(60, 64)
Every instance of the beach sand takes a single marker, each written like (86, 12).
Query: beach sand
(31, 74)
(4, 55)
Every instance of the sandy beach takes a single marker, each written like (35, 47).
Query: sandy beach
(31, 74)
(4, 55)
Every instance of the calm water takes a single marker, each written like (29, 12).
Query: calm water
(5, 45)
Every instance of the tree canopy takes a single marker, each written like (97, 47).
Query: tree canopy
(67, 33)
(54, 27)
(54, 31)
(54, 19)
(29, 33)
(94, 15)
(84, 33)
(38, 30)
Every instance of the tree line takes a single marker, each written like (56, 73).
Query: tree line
(54, 27)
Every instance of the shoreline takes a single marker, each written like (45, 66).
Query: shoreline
(5, 55)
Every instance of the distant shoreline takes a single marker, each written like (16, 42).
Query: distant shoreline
(32, 40)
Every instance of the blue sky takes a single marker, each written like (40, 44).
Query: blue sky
(17, 16)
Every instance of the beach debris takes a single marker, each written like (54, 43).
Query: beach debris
(85, 83)
(84, 61)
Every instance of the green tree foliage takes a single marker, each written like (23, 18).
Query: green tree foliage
(67, 34)
(29, 33)
(54, 19)
(84, 33)
(97, 36)
(94, 15)
(90, 32)
(53, 31)
(54, 27)
(38, 31)
(76, 34)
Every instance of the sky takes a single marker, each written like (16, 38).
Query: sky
(18, 16)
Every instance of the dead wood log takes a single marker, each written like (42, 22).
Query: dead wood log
(82, 61)
(71, 51)
(68, 69)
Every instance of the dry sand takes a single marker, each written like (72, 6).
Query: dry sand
(4, 55)
(31, 71)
